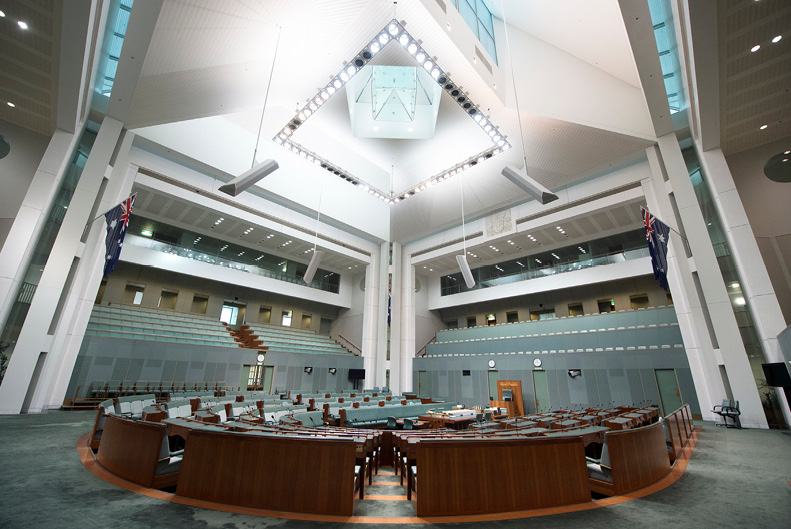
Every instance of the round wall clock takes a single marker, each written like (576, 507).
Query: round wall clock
(537, 362)
(491, 363)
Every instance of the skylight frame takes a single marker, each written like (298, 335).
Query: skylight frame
(392, 31)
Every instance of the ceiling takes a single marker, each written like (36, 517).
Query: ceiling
(29, 63)
(754, 86)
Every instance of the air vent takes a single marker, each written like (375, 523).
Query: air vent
(481, 56)
(442, 5)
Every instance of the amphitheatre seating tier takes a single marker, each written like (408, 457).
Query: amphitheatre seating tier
(617, 320)
(611, 339)
(157, 325)
(286, 339)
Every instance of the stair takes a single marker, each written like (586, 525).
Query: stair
(246, 338)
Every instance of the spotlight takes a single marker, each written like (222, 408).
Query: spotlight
(332, 369)
(308, 370)
(384, 38)
(374, 48)
(428, 65)
(420, 57)
(403, 39)
(412, 48)
(359, 62)
(351, 70)
(574, 373)
(392, 28)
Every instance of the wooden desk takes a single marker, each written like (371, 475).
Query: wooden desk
(438, 421)
(618, 423)
(592, 434)
(416, 425)
(565, 424)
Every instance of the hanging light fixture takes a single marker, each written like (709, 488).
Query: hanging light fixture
(514, 174)
(462, 259)
(315, 259)
(259, 171)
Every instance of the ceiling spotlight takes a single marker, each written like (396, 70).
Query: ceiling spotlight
(412, 48)
(762, 127)
(351, 70)
(403, 39)
(2, 15)
(374, 48)
(9, 103)
(392, 28)
(755, 48)
(22, 25)
(336, 83)
(777, 39)
(420, 57)
(384, 38)
(428, 65)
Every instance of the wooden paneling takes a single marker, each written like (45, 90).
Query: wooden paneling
(269, 472)
(638, 458)
(474, 476)
(516, 407)
(130, 449)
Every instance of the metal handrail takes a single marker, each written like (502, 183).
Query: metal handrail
(350, 343)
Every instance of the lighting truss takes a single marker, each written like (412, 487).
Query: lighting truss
(392, 32)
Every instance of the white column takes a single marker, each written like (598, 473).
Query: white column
(407, 321)
(32, 216)
(35, 340)
(370, 320)
(688, 306)
(79, 301)
(396, 376)
(756, 285)
(381, 316)
(704, 261)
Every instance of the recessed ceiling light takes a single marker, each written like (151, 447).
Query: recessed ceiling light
(2, 15)
(777, 39)
(21, 24)
(763, 127)
(410, 129)
(755, 48)
(785, 159)
(9, 103)
(787, 152)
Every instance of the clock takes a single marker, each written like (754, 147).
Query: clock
(537, 362)
(491, 364)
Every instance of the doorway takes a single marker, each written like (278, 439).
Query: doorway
(541, 390)
(307, 319)
(422, 382)
(669, 393)
(494, 376)
(259, 377)
(232, 313)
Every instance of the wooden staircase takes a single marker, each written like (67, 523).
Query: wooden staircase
(246, 338)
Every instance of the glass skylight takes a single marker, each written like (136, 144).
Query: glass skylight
(662, 20)
(113, 43)
(479, 18)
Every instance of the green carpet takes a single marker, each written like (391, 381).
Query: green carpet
(735, 479)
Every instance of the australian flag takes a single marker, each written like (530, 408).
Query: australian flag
(657, 234)
(117, 221)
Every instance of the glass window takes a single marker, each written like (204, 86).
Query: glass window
(286, 318)
(467, 10)
(485, 16)
(138, 299)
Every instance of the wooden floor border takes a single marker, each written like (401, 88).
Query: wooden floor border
(88, 460)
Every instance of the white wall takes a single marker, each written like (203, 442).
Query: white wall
(17, 170)
(765, 202)
(349, 323)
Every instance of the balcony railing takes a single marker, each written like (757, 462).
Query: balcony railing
(569, 266)
(318, 283)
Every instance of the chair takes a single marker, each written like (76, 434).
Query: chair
(479, 418)
(408, 424)
(726, 403)
(487, 416)
(391, 423)
(732, 412)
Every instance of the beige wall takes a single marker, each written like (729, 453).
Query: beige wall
(619, 291)
(188, 286)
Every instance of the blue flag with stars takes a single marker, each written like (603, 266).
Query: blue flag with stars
(657, 234)
(117, 221)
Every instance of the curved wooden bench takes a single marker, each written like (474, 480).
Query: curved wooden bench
(137, 451)
(638, 457)
(269, 471)
(474, 476)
